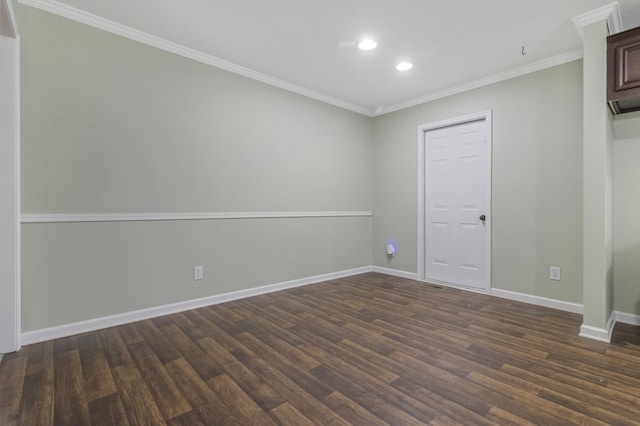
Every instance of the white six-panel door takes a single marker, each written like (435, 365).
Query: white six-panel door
(456, 211)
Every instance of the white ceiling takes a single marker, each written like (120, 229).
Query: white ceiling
(302, 42)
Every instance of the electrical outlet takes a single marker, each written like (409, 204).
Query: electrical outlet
(198, 273)
(554, 273)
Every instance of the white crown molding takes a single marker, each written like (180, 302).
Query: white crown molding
(65, 330)
(538, 300)
(95, 21)
(80, 16)
(138, 217)
(610, 13)
(486, 81)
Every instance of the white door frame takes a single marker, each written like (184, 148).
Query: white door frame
(10, 180)
(422, 239)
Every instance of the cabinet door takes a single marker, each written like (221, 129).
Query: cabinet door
(627, 63)
(623, 70)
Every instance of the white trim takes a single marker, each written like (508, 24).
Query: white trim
(150, 40)
(599, 334)
(546, 302)
(486, 81)
(13, 306)
(595, 333)
(65, 330)
(456, 286)
(16, 167)
(625, 318)
(610, 13)
(395, 272)
(86, 18)
(478, 116)
(487, 117)
(135, 217)
(422, 235)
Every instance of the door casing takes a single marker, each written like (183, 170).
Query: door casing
(9, 180)
(422, 241)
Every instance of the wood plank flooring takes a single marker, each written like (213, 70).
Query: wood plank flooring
(365, 350)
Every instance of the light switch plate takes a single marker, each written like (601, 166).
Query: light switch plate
(198, 273)
(555, 273)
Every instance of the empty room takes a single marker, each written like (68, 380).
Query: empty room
(298, 212)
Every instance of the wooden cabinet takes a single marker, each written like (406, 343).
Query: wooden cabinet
(623, 71)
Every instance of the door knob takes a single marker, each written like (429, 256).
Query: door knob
(483, 218)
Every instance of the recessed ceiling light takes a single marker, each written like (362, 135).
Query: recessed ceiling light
(367, 44)
(404, 66)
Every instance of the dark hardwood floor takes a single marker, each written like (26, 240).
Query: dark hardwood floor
(366, 350)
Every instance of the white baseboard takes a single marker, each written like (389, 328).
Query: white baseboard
(604, 335)
(625, 318)
(575, 308)
(395, 272)
(595, 333)
(65, 330)
(599, 334)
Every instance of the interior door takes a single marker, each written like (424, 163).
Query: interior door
(455, 205)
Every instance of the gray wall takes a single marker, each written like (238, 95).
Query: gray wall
(537, 179)
(113, 126)
(626, 211)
